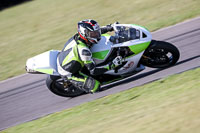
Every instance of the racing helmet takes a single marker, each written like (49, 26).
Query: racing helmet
(89, 30)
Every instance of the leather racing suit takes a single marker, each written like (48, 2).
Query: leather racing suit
(74, 56)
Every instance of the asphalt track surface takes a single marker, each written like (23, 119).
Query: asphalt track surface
(26, 97)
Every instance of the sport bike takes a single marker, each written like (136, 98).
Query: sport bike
(131, 47)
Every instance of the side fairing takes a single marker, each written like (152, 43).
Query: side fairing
(137, 48)
(101, 50)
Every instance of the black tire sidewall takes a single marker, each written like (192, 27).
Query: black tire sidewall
(167, 46)
(51, 80)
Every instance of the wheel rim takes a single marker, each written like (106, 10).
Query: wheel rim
(69, 90)
(161, 57)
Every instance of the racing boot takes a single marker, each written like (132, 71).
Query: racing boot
(91, 85)
(85, 83)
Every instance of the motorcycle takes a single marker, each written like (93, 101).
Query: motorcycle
(132, 43)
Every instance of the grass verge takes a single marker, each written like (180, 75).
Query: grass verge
(41, 25)
(169, 105)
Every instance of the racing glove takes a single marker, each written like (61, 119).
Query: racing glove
(109, 27)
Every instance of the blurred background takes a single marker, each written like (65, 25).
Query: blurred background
(30, 27)
(9, 3)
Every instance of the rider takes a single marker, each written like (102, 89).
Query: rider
(76, 54)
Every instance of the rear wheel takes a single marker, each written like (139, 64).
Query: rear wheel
(56, 85)
(160, 55)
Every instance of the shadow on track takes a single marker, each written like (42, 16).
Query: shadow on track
(142, 75)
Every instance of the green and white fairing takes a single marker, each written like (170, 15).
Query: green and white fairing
(47, 62)
(103, 49)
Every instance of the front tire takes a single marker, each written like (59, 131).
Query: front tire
(160, 55)
(56, 85)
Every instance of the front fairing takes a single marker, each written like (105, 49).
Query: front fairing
(137, 44)
(101, 50)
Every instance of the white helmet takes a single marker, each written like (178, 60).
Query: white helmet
(89, 30)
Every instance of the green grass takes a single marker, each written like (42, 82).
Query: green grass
(41, 25)
(169, 105)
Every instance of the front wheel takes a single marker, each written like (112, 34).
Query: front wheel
(160, 55)
(56, 85)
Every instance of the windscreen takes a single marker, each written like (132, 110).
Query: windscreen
(126, 34)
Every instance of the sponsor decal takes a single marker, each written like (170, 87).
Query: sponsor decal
(130, 64)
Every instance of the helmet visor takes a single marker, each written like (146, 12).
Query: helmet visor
(94, 34)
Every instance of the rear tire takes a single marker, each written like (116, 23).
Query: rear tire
(55, 85)
(160, 55)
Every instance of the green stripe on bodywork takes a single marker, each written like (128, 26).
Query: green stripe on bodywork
(47, 71)
(100, 55)
(136, 49)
